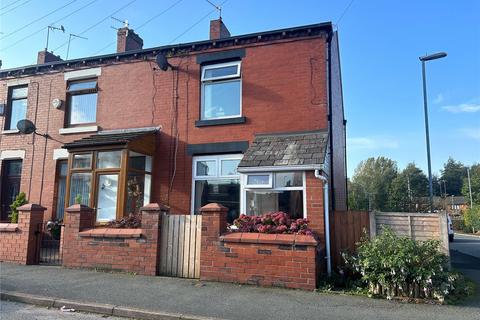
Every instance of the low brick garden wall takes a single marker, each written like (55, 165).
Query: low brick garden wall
(18, 241)
(128, 250)
(280, 260)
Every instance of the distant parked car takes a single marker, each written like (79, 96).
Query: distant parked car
(450, 228)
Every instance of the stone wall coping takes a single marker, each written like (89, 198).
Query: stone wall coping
(155, 207)
(213, 207)
(78, 208)
(265, 238)
(31, 207)
(111, 233)
(8, 227)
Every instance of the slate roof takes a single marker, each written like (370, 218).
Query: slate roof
(116, 137)
(303, 148)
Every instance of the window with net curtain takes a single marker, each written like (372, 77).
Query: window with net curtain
(286, 194)
(221, 91)
(17, 107)
(82, 102)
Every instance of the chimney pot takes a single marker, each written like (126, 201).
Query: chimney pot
(128, 40)
(218, 30)
(45, 57)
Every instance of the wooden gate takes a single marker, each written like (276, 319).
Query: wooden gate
(180, 246)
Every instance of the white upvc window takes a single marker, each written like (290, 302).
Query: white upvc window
(215, 179)
(221, 91)
(259, 180)
(286, 192)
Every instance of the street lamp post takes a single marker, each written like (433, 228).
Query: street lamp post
(425, 108)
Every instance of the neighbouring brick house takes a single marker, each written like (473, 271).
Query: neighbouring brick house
(254, 122)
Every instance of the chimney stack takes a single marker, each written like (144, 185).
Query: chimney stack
(218, 29)
(128, 40)
(45, 57)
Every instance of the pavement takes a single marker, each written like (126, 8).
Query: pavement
(173, 298)
(20, 311)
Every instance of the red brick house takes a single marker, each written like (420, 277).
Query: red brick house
(254, 122)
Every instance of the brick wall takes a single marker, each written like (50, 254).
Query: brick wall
(288, 261)
(128, 250)
(276, 83)
(18, 241)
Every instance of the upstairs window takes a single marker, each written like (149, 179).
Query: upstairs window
(17, 107)
(221, 91)
(82, 102)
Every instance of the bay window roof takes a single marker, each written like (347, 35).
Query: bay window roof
(299, 149)
(117, 138)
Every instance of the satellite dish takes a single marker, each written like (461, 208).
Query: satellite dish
(162, 62)
(26, 126)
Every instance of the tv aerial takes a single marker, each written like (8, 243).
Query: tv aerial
(70, 40)
(217, 7)
(48, 33)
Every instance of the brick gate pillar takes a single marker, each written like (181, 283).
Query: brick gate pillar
(214, 224)
(30, 218)
(151, 224)
(78, 217)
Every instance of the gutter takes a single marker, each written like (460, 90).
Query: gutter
(281, 168)
(326, 212)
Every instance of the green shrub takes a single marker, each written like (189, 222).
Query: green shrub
(20, 200)
(399, 266)
(472, 218)
(459, 225)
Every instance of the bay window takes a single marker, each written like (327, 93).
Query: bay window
(221, 91)
(277, 191)
(215, 179)
(113, 182)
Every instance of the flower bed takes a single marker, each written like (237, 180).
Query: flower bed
(274, 222)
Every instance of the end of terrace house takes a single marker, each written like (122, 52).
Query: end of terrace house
(252, 122)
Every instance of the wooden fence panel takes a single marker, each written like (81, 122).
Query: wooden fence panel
(416, 225)
(180, 246)
(347, 229)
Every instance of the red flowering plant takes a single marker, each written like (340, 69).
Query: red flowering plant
(273, 222)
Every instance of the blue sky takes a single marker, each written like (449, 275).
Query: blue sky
(380, 42)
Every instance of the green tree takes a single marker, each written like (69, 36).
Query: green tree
(371, 183)
(20, 200)
(472, 218)
(475, 182)
(453, 173)
(407, 189)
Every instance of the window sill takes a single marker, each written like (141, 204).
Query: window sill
(218, 122)
(11, 131)
(78, 130)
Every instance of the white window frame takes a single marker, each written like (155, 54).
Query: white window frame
(222, 65)
(260, 186)
(244, 189)
(218, 162)
(220, 79)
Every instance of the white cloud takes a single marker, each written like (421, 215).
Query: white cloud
(463, 107)
(371, 143)
(473, 133)
(438, 99)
